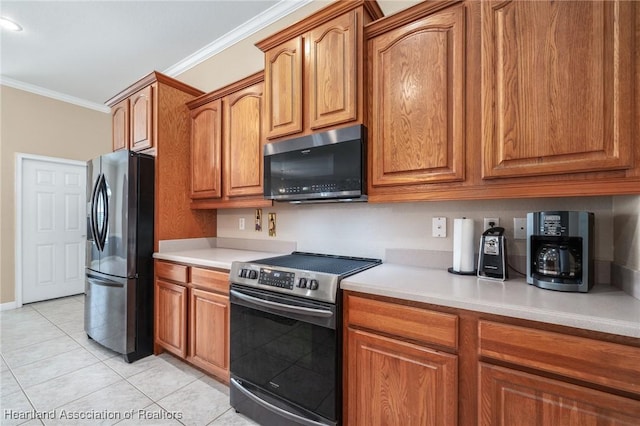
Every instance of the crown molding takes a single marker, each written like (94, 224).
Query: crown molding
(16, 84)
(263, 20)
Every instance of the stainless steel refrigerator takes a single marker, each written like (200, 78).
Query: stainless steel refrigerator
(118, 309)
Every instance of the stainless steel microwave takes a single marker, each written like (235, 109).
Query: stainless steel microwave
(322, 167)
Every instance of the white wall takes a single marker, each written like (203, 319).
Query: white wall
(626, 229)
(367, 229)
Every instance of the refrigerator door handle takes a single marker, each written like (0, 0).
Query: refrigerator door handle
(100, 212)
(94, 213)
(104, 283)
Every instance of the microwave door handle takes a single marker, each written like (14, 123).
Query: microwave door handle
(323, 313)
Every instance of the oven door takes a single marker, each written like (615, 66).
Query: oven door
(284, 358)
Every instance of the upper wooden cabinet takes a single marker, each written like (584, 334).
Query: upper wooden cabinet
(314, 70)
(504, 99)
(417, 126)
(151, 116)
(120, 125)
(206, 148)
(142, 119)
(557, 87)
(227, 140)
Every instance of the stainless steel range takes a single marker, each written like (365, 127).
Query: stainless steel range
(286, 337)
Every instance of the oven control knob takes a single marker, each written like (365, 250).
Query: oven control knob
(243, 273)
(302, 283)
(313, 284)
(252, 274)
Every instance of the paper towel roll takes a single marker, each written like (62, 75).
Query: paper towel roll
(463, 245)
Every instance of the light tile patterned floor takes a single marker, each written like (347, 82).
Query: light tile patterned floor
(52, 374)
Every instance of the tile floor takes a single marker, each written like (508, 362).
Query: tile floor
(52, 374)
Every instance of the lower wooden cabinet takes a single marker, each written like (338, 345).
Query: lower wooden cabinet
(510, 397)
(209, 332)
(171, 317)
(411, 363)
(394, 376)
(192, 316)
(392, 382)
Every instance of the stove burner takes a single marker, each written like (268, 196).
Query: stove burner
(328, 264)
(308, 275)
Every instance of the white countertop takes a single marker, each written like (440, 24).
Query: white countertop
(213, 257)
(604, 308)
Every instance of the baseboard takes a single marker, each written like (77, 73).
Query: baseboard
(8, 306)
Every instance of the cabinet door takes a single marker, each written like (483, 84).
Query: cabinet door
(332, 71)
(171, 317)
(417, 124)
(392, 382)
(209, 332)
(243, 142)
(556, 79)
(120, 125)
(142, 119)
(508, 397)
(283, 84)
(206, 144)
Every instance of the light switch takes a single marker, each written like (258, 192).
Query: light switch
(439, 227)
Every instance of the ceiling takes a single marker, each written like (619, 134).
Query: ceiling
(86, 51)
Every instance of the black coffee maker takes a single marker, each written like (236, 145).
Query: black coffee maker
(560, 250)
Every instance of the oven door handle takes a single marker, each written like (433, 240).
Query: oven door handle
(284, 413)
(282, 307)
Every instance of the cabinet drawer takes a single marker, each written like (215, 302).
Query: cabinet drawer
(210, 279)
(404, 321)
(595, 361)
(171, 271)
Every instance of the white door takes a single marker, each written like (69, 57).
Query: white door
(53, 228)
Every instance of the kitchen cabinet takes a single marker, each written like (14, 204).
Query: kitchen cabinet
(396, 371)
(151, 116)
(192, 316)
(417, 131)
(132, 121)
(170, 313)
(557, 82)
(227, 140)
(504, 99)
(508, 396)
(410, 362)
(314, 70)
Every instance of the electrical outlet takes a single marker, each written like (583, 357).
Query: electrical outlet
(241, 224)
(488, 220)
(519, 228)
(439, 227)
(272, 224)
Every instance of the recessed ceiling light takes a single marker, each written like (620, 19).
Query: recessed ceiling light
(8, 24)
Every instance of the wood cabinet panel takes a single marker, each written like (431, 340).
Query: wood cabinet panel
(209, 332)
(243, 142)
(391, 382)
(120, 125)
(555, 87)
(608, 364)
(508, 397)
(171, 317)
(404, 321)
(142, 119)
(417, 131)
(332, 76)
(283, 85)
(206, 150)
(210, 280)
(172, 271)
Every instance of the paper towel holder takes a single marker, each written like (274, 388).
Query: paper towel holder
(463, 244)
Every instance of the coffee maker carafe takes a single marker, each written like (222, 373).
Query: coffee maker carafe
(560, 250)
